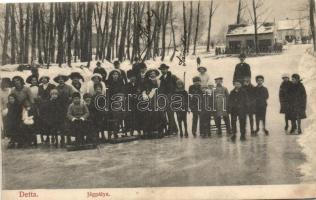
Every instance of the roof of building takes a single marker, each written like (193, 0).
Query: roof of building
(244, 29)
(287, 24)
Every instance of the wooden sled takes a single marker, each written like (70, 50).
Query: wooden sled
(80, 147)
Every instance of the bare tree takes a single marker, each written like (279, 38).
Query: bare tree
(184, 29)
(197, 27)
(6, 33)
(27, 31)
(21, 29)
(112, 34)
(190, 27)
(255, 17)
(121, 53)
(311, 19)
(212, 11)
(164, 25)
(173, 33)
(13, 34)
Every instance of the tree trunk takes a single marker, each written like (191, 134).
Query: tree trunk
(39, 36)
(60, 35)
(209, 28)
(165, 19)
(69, 32)
(197, 28)
(190, 27)
(148, 28)
(255, 25)
(105, 36)
(27, 31)
(238, 12)
(21, 27)
(112, 34)
(13, 34)
(184, 40)
(173, 34)
(156, 30)
(128, 34)
(123, 35)
(311, 19)
(6, 33)
(89, 31)
(51, 35)
(34, 30)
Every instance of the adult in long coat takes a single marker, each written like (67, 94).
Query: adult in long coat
(298, 99)
(168, 84)
(242, 69)
(284, 98)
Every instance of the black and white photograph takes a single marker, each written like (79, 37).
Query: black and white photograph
(156, 94)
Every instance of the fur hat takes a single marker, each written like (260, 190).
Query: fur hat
(296, 76)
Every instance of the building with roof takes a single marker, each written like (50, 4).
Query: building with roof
(292, 29)
(241, 37)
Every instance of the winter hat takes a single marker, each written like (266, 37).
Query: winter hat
(76, 94)
(152, 70)
(116, 63)
(163, 66)
(29, 79)
(142, 65)
(218, 78)
(42, 77)
(296, 76)
(130, 73)
(64, 77)
(87, 95)
(242, 55)
(18, 78)
(259, 76)
(201, 68)
(96, 75)
(6, 82)
(76, 75)
(196, 79)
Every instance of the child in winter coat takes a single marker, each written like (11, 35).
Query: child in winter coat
(237, 105)
(262, 96)
(284, 98)
(52, 117)
(77, 114)
(195, 97)
(182, 109)
(206, 111)
(298, 99)
(251, 106)
(13, 121)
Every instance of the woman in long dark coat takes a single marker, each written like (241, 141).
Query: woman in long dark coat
(298, 98)
(284, 99)
(155, 120)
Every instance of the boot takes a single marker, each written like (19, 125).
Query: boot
(299, 131)
(266, 131)
(242, 138)
(233, 137)
(186, 134)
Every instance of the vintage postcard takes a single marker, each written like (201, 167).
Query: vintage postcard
(158, 99)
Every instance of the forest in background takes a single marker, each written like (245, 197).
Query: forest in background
(69, 32)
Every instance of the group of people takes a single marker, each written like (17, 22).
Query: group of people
(58, 111)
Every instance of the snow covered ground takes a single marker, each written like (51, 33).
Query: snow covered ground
(277, 159)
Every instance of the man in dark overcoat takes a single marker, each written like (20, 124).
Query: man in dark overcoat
(242, 69)
(168, 84)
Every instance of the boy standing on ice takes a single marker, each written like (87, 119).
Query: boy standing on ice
(237, 105)
(262, 96)
(242, 69)
(195, 97)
